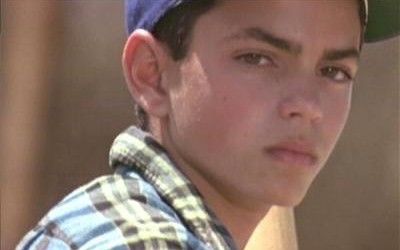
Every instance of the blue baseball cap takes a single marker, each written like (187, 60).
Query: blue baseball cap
(382, 16)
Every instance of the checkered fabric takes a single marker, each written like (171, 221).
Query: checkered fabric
(146, 204)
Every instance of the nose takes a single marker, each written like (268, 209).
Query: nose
(302, 105)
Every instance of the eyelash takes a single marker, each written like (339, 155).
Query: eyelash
(327, 72)
(254, 59)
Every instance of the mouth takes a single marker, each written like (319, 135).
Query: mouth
(294, 153)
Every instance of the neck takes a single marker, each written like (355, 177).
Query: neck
(239, 215)
(240, 220)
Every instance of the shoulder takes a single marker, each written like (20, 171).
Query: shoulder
(117, 211)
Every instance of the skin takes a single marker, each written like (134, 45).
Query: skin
(256, 107)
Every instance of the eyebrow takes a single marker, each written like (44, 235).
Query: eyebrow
(267, 37)
(290, 46)
(339, 54)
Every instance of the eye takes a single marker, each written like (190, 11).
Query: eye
(336, 74)
(255, 59)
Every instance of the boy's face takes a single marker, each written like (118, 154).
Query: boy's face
(259, 102)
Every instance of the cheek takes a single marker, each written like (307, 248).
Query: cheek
(217, 109)
(237, 106)
(218, 119)
(215, 114)
(336, 115)
(200, 111)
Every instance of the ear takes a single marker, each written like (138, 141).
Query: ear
(143, 61)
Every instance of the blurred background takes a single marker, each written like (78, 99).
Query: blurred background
(63, 100)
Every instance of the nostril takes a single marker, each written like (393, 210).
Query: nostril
(294, 114)
(300, 108)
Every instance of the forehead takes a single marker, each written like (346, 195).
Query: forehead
(302, 21)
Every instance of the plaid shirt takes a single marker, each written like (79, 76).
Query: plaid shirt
(146, 204)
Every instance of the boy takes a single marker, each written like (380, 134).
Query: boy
(244, 102)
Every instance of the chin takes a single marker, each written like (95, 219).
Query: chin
(289, 203)
(289, 199)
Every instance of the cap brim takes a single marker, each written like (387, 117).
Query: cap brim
(383, 20)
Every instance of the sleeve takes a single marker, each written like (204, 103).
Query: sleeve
(40, 239)
(111, 213)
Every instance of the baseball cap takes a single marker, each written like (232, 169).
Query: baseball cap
(383, 19)
(382, 16)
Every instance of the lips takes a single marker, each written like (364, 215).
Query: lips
(293, 153)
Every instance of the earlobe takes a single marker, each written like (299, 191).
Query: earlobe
(143, 63)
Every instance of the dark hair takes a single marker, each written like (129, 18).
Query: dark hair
(174, 30)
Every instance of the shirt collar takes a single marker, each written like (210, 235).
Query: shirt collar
(138, 150)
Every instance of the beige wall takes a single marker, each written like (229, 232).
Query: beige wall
(353, 205)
